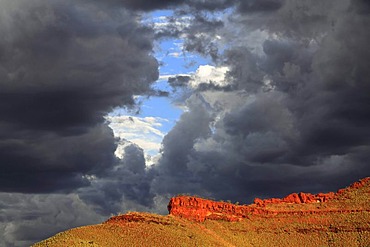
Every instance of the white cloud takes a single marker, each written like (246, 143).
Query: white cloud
(174, 54)
(164, 23)
(143, 131)
(204, 74)
(209, 74)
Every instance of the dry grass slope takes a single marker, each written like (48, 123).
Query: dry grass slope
(342, 221)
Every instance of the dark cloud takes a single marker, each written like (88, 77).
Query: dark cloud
(198, 28)
(125, 185)
(179, 81)
(173, 175)
(245, 72)
(147, 5)
(293, 116)
(251, 6)
(49, 162)
(64, 65)
(25, 219)
(302, 124)
(201, 36)
(63, 68)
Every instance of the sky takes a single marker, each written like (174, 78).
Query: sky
(117, 105)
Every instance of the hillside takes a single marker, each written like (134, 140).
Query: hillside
(302, 219)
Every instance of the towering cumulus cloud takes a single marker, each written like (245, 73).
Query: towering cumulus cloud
(295, 114)
(283, 105)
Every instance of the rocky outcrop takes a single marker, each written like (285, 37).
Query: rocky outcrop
(331, 219)
(356, 185)
(199, 209)
(296, 198)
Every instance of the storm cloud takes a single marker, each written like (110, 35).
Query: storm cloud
(297, 117)
(290, 112)
(64, 66)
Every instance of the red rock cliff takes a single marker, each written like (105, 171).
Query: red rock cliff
(297, 198)
(199, 209)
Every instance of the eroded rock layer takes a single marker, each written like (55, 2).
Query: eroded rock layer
(199, 209)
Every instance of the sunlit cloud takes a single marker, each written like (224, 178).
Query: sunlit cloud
(143, 131)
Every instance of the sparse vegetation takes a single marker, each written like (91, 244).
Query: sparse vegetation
(343, 221)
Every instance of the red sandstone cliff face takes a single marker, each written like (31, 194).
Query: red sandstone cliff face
(296, 198)
(199, 209)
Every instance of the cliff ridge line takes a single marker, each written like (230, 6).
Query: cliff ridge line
(199, 209)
